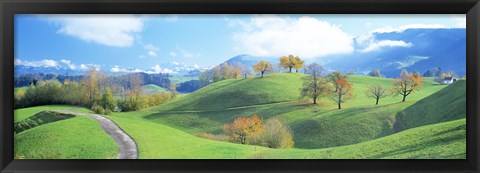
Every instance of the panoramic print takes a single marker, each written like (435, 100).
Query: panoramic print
(288, 86)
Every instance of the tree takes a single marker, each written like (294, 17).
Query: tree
(376, 92)
(108, 101)
(242, 127)
(205, 77)
(235, 72)
(262, 67)
(428, 73)
(90, 84)
(334, 76)
(343, 91)
(216, 74)
(289, 62)
(442, 76)
(416, 73)
(406, 84)
(298, 64)
(173, 89)
(375, 73)
(314, 86)
(224, 71)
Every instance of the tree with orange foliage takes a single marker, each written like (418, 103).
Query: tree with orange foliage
(406, 84)
(343, 91)
(262, 67)
(289, 62)
(242, 127)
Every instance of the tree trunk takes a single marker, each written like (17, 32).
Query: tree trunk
(262, 73)
(377, 102)
(340, 100)
(339, 105)
(404, 95)
(314, 100)
(296, 70)
(290, 69)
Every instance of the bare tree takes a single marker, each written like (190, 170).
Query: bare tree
(376, 92)
(314, 86)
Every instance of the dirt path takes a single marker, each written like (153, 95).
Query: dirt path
(127, 146)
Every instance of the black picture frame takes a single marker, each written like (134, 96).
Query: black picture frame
(9, 8)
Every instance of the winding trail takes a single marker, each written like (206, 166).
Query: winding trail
(128, 147)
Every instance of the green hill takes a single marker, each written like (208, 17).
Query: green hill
(74, 138)
(445, 105)
(230, 93)
(438, 141)
(39, 119)
(314, 126)
(152, 89)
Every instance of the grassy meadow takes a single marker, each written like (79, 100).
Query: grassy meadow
(430, 124)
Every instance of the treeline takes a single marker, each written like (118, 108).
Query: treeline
(103, 94)
(160, 79)
(29, 79)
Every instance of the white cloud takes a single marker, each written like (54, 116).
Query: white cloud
(154, 69)
(405, 27)
(110, 30)
(86, 67)
(158, 69)
(152, 53)
(69, 64)
(41, 63)
(183, 52)
(151, 50)
(307, 37)
(460, 21)
(409, 61)
(377, 45)
(171, 18)
(151, 47)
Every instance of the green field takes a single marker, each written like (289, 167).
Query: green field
(153, 89)
(180, 79)
(430, 124)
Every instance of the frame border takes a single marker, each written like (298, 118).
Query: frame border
(8, 8)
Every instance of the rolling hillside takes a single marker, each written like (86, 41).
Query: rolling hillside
(152, 89)
(236, 93)
(360, 130)
(445, 105)
(54, 139)
(314, 126)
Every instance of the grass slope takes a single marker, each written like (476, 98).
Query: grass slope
(180, 79)
(273, 88)
(314, 126)
(21, 114)
(157, 141)
(75, 138)
(444, 105)
(439, 141)
(152, 89)
(39, 119)
(444, 140)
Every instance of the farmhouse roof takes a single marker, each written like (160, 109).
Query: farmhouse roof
(448, 78)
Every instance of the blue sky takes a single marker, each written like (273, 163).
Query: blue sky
(150, 42)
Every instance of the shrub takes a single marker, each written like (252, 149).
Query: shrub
(276, 134)
(98, 109)
(108, 111)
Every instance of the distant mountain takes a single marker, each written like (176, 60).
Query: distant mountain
(428, 48)
(21, 69)
(444, 48)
